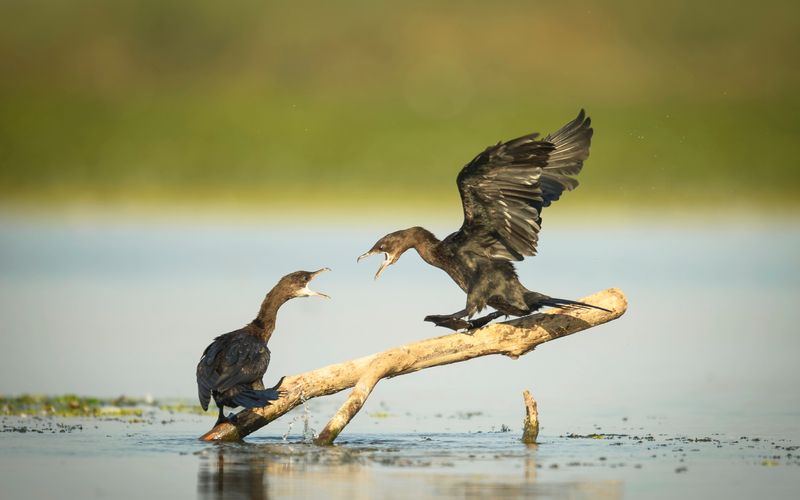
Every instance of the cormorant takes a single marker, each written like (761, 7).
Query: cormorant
(232, 367)
(503, 191)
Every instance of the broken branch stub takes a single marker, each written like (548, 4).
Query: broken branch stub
(512, 338)
(530, 426)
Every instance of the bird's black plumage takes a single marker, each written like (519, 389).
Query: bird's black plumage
(231, 369)
(232, 366)
(503, 191)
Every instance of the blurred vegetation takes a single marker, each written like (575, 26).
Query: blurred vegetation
(68, 405)
(350, 103)
(71, 405)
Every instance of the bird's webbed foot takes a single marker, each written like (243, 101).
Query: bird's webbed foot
(457, 322)
(483, 320)
(451, 321)
(222, 419)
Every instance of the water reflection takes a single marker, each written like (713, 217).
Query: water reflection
(226, 476)
(370, 469)
(530, 462)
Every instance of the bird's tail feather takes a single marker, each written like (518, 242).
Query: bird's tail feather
(251, 398)
(536, 301)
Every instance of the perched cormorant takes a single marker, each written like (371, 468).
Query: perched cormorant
(231, 368)
(503, 191)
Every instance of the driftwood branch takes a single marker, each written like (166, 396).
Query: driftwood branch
(530, 426)
(385, 365)
(512, 338)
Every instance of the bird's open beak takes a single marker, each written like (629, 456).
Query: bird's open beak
(307, 292)
(365, 255)
(386, 260)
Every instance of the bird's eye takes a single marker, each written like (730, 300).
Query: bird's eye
(382, 247)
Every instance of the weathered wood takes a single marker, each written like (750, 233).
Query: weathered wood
(530, 427)
(512, 338)
(388, 364)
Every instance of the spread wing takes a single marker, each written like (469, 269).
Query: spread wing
(504, 189)
(232, 359)
(571, 143)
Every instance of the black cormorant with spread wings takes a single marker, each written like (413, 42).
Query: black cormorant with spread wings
(503, 191)
(232, 367)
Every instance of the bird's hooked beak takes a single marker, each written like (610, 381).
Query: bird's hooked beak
(387, 260)
(307, 292)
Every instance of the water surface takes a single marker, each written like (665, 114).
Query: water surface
(707, 350)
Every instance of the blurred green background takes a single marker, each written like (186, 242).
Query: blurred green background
(368, 104)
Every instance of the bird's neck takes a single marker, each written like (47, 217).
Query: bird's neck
(426, 245)
(264, 324)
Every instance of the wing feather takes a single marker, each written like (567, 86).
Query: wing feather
(571, 143)
(505, 187)
(245, 362)
(232, 359)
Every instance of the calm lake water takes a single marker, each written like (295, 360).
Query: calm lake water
(708, 350)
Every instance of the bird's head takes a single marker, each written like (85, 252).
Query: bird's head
(296, 283)
(392, 247)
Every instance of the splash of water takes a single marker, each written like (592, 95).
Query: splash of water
(309, 433)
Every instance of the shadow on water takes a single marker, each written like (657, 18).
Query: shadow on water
(364, 469)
